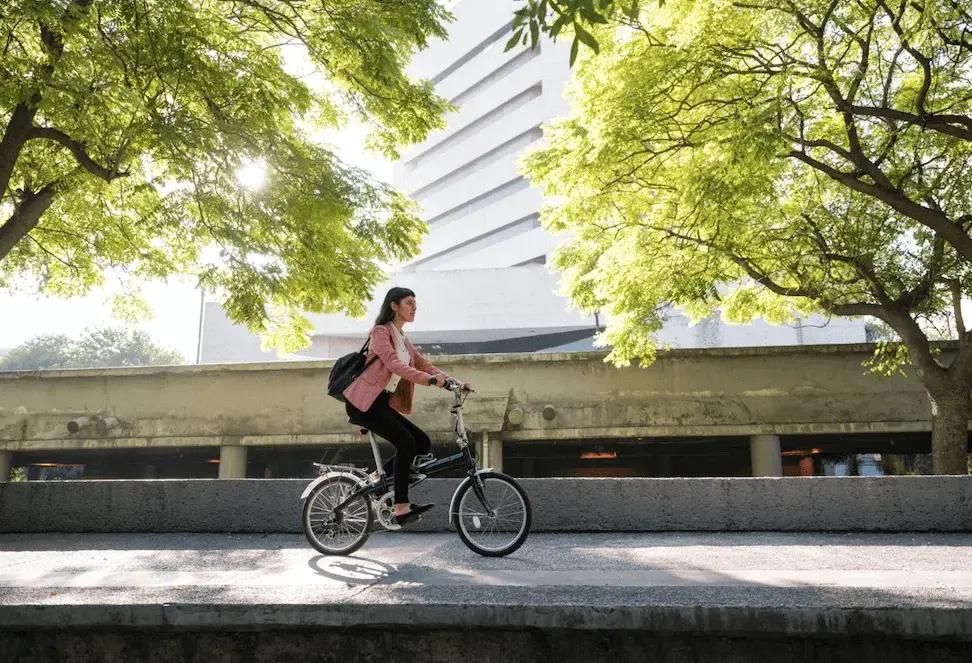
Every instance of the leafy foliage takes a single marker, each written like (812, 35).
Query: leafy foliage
(806, 156)
(126, 123)
(98, 348)
(709, 147)
(551, 17)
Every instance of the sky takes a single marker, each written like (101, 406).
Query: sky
(175, 304)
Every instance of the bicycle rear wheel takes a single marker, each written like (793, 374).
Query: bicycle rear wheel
(336, 533)
(503, 531)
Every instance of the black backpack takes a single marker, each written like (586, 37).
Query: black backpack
(346, 370)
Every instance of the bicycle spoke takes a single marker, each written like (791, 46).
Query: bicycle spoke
(508, 520)
(335, 530)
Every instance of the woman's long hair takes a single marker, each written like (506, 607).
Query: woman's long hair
(387, 314)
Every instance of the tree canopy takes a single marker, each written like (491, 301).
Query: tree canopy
(767, 159)
(97, 348)
(125, 123)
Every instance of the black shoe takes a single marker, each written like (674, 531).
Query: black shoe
(416, 511)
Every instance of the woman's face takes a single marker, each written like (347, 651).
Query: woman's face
(405, 309)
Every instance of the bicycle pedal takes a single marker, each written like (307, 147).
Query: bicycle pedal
(419, 461)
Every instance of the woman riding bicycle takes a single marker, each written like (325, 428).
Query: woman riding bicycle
(379, 397)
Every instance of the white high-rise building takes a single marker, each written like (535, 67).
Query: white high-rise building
(481, 211)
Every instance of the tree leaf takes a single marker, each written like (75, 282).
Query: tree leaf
(587, 38)
(558, 25)
(514, 40)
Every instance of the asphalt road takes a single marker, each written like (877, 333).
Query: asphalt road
(614, 580)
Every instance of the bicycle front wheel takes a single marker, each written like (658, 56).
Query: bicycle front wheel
(331, 532)
(502, 528)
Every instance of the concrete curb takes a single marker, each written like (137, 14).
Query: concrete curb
(892, 504)
(953, 624)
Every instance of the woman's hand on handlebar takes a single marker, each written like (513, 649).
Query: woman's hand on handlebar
(437, 381)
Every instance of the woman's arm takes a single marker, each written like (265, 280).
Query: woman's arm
(424, 364)
(384, 347)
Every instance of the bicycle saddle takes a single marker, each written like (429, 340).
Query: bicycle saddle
(361, 429)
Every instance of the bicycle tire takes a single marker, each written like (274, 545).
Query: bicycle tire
(308, 527)
(460, 523)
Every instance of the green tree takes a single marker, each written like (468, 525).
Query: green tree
(97, 348)
(768, 159)
(47, 351)
(124, 124)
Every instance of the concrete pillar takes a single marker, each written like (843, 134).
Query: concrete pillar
(496, 451)
(764, 453)
(489, 451)
(232, 462)
(6, 461)
(482, 449)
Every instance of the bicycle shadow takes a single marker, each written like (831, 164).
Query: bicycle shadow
(351, 570)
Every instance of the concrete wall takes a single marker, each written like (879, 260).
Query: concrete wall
(928, 503)
(717, 392)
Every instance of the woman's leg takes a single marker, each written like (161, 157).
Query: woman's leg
(384, 421)
(423, 444)
(365, 420)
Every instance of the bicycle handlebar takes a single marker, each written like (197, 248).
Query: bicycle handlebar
(454, 385)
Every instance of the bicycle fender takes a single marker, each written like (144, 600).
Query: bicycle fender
(455, 495)
(324, 477)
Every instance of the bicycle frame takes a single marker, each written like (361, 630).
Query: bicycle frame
(464, 460)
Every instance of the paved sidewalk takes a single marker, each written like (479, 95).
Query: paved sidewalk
(700, 582)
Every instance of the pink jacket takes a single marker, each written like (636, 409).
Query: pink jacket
(366, 388)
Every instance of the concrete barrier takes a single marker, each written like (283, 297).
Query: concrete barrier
(892, 504)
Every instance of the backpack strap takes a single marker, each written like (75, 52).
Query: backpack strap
(362, 351)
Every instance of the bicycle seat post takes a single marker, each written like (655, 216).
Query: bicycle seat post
(376, 452)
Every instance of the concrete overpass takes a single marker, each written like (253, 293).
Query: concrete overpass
(761, 393)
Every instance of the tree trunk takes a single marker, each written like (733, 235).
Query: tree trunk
(25, 217)
(950, 432)
(14, 137)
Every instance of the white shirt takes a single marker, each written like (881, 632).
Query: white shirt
(399, 337)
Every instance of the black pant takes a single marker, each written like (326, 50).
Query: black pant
(409, 439)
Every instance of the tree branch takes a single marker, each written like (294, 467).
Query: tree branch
(900, 320)
(942, 123)
(919, 57)
(69, 265)
(955, 286)
(911, 298)
(930, 218)
(77, 149)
